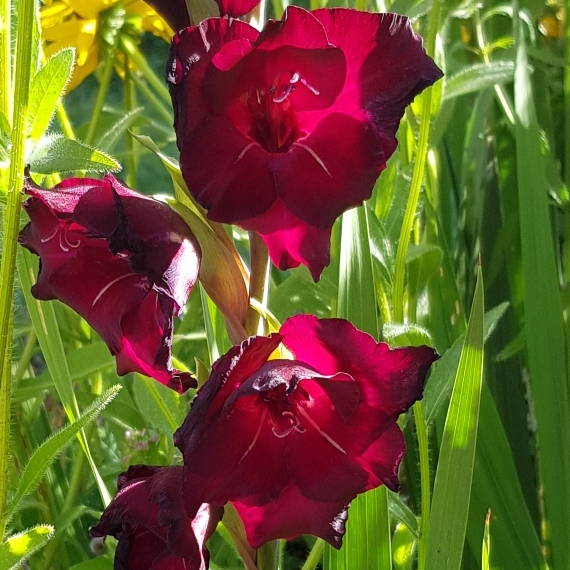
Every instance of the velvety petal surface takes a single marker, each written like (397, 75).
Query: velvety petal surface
(292, 442)
(292, 126)
(291, 515)
(317, 179)
(236, 8)
(390, 380)
(387, 66)
(291, 241)
(123, 261)
(147, 517)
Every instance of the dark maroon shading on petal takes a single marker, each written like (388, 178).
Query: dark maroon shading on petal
(190, 53)
(291, 241)
(175, 12)
(235, 185)
(291, 515)
(236, 8)
(147, 517)
(319, 178)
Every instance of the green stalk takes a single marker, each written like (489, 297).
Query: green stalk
(130, 105)
(315, 555)
(130, 47)
(101, 96)
(152, 99)
(11, 227)
(423, 448)
(24, 361)
(259, 262)
(64, 121)
(419, 167)
(5, 71)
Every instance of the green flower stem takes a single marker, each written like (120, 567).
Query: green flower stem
(259, 261)
(5, 71)
(101, 96)
(24, 361)
(421, 432)
(419, 167)
(165, 113)
(130, 105)
(64, 121)
(132, 50)
(315, 555)
(11, 226)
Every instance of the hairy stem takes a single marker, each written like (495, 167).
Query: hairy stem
(11, 227)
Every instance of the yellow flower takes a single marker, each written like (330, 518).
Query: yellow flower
(75, 23)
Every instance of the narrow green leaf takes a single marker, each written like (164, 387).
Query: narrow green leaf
(158, 404)
(543, 313)
(111, 135)
(46, 326)
(47, 451)
(423, 261)
(478, 77)
(47, 88)
(356, 290)
(402, 513)
(496, 486)
(99, 563)
(452, 487)
(216, 333)
(19, 547)
(367, 542)
(440, 381)
(88, 359)
(55, 153)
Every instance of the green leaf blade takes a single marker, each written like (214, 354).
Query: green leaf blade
(452, 487)
(55, 153)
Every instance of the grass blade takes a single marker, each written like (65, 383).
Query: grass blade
(367, 541)
(543, 313)
(452, 487)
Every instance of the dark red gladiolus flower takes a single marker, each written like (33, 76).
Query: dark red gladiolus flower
(147, 517)
(282, 131)
(291, 442)
(123, 261)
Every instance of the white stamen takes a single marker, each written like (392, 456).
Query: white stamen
(315, 156)
(50, 236)
(295, 78)
(109, 285)
(242, 153)
(325, 435)
(256, 437)
(309, 87)
(284, 95)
